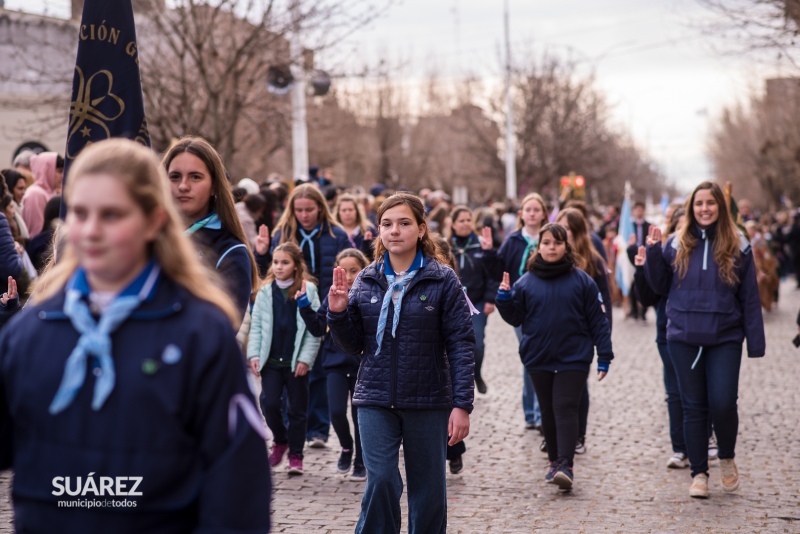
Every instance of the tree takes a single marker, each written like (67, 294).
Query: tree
(757, 26)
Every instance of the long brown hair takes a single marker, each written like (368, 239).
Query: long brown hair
(138, 169)
(287, 224)
(361, 220)
(586, 257)
(301, 271)
(726, 240)
(221, 196)
(538, 198)
(425, 243)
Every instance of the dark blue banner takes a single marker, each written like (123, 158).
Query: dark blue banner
(106, 88)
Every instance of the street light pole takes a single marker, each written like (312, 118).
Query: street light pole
(299, 128)
(511, 165)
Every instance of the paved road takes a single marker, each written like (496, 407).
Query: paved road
(622, 484)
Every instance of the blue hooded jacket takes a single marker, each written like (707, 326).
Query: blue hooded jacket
(703, 310)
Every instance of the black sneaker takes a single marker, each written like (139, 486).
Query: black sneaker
(480, 385)
(554, 465)
(543, 446)
(456, 465)
(359, 472)
(563, 477)
(343, 465)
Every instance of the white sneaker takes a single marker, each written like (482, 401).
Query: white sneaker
(713, 450)
(317, 443)
(678, 461)
(699, 487)
(730, 474)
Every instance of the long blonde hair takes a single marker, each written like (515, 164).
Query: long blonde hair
(222, 198)
(587, 258)
(726, 240)
(287, 224)
(138, 169)
(538, 198)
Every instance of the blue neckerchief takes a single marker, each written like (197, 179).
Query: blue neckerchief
(388, 272)
(461, 252)
(309, 238)
(532, 243)
(210, 221)
(95, 337)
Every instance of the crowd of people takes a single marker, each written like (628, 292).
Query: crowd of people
(145, 327)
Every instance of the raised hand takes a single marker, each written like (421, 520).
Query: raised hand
(653, 236)
(263, 240)
(486, 238)
(505, 285)
(12, 291)
(368, 235)
(641, 257)
(337, 296)
(300, 292)
(631, 239)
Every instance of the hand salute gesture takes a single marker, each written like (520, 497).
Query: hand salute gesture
(653, 236)
(505, 285)
(300, 292)
(641, 257)
(486, 238)
(263, 241)
(337, 296)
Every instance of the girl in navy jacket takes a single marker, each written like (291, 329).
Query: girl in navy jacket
(308, 223)
(560, 311)
(342, 369)
(512, 258)
(122, 377)
(407, 316)
(707, 273)
(589, 260)
(360, 232)
(480, 287)
(203, 195)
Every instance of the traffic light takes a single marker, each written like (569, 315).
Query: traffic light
(579, 191)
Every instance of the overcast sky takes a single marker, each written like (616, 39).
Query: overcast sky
(664, 80)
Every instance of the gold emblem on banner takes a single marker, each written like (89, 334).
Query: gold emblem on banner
(92, 93)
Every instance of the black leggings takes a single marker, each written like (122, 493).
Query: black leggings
(559, 395)
(341, 388)
(273, 382)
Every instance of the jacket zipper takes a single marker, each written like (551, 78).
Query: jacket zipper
(705, 252)
(393, 375)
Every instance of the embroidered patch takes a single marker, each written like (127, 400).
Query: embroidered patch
(171, 355)
(150, 366)
(429, 308)
(423, 298)
(374, 300)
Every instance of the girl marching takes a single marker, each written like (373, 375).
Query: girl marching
(407, 316)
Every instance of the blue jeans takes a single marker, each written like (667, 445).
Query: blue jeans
(423, 434)
(530, 404)
(479, 326)
(711, 389)
(674, 406)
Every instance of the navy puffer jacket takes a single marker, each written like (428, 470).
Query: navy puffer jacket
(10, 260)
(430, 364)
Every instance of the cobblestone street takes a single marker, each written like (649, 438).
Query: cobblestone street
(621, 484)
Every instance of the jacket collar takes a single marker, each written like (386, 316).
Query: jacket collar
(710, 230)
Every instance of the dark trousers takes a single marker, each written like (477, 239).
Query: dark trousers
(674, 406)
(273, 382)
(319, 419)
(341, 386)
(559, 395)
(583, 411)
(638, 310)
(711, 389)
